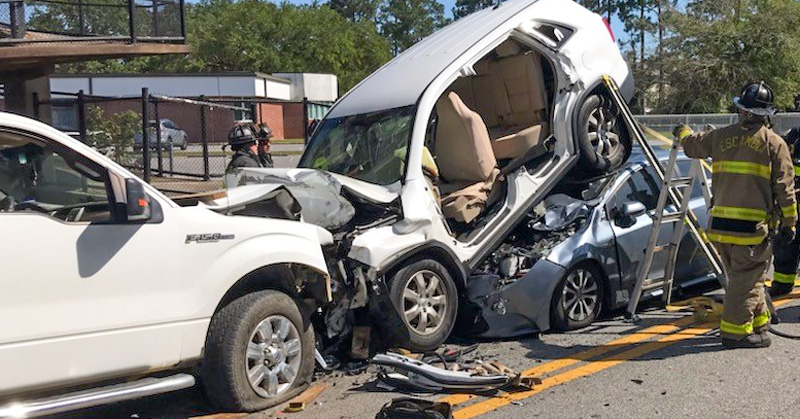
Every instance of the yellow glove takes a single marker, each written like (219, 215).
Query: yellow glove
(682, 131)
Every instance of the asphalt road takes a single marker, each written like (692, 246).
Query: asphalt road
(667, 365)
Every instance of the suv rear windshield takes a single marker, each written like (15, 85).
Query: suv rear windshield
(369, 147)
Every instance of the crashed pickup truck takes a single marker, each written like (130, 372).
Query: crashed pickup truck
(423, 170)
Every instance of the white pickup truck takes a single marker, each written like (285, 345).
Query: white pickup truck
(111, 291)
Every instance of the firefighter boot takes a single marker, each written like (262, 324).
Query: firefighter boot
(779, 289)
(755, 340)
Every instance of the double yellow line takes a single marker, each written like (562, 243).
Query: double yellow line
(631, 347)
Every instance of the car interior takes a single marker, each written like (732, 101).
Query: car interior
(34, 176)
(488, 125)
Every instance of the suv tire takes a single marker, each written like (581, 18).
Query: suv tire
(604, 141)
(236, 334)
(419, 290)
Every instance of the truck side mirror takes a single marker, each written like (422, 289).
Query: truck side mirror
(138, 203)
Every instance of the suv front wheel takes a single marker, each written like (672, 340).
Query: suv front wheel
(427, 299)
(258, 353)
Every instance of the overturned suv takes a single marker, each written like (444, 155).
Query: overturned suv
(425, 168)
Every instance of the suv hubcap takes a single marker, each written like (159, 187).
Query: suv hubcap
(424, 302)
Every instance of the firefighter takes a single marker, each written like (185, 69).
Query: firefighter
(264, 136)
(753, 187)
(787, 257)
(244, 142)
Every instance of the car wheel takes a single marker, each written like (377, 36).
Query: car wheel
(577, 299)
(258, 353)
(605, 143)
(427, 299)
(185, 144)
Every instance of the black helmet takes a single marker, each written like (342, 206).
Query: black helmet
(757, 99)
(263, 131)
(242, 134)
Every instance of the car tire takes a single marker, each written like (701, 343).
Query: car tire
(571, 306)
(604, 141)
(185, 144)
(256, 321)
(416, 290)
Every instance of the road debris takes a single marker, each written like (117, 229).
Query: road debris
(404, 408)
(299, 403)
(418, 375)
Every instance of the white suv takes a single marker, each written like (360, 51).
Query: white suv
(105, 280)
(443, 151)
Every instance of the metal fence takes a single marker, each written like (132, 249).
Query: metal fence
(41, 21)
(188, 152)
(665, 123)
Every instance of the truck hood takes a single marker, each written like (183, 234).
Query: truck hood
(320, 195)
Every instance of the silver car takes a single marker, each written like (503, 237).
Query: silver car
(577, 256)
(172, 136)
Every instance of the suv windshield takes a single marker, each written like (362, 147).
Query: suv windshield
(369, 147)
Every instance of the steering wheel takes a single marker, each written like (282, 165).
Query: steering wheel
(30, 205)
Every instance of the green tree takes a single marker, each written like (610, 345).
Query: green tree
(253, 35)
(113, 135)
(717, 46)
(405, 22)
(467, 7)
(356, 10)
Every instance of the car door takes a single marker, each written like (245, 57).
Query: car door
(85, 292)
(633, 233)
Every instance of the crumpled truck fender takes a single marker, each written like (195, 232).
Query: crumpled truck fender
(298, 244)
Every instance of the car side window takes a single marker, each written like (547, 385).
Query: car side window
(621, 196)
(645, 189)
(38, 176)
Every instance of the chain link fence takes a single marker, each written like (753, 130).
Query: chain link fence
(40, 21)
(665, 123)
(187, 137)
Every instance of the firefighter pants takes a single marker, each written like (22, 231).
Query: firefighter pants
(745, 310)
(787, 259)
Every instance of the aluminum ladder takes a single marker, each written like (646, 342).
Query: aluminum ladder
(674, 191)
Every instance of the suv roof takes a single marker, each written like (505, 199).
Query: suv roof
(403, 80)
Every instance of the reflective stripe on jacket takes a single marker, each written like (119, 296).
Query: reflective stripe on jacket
(753, 181)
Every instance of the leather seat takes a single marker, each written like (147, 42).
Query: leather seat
(466, 162)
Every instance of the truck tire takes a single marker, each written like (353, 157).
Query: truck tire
(604, 142)
(427, 299)
(257, 353)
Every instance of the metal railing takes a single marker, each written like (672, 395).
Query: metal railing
(665, 123)
(130, 21)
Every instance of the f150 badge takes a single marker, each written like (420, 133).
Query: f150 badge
(208, 238)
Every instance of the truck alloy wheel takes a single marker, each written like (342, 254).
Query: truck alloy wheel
(273, 356)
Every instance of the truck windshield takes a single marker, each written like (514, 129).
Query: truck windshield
(369, 147)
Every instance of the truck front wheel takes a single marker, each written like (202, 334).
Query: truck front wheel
(258, 354)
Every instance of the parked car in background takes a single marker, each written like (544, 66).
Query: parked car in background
(577, 255)
(434, 159)
(86, 306)
(172, 136)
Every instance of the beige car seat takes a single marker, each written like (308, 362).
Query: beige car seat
(467, 164)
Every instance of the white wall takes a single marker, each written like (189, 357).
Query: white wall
(315, 87)
(278, 90)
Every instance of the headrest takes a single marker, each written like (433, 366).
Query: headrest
(508, 48)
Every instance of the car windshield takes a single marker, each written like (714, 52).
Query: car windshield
(369, 147)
